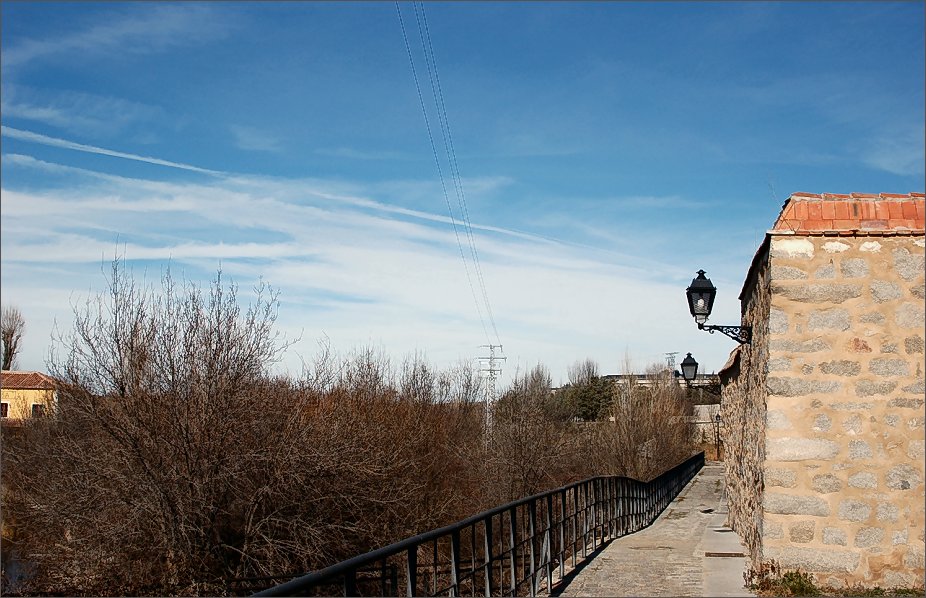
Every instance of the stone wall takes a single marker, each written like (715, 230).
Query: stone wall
(843, 466)
(743, 412)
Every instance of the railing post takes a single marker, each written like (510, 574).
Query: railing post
(562, 533)
(350, 583)
(599, 514)
(454, 563)
(548, 541)
(434, 570)
(487, 524)
(602, 508)
(612, 508)
(512, 536)
(585, 519)
(472, 562)
(411, 572)
(532, 533)
(383, 579)
(575, 522)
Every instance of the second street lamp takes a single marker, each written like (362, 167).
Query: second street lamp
(701, 296)
(689, 368)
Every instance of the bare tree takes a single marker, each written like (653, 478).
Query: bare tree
(532, 445)
(141, 483)
(649, 428)
(12, 326)
(581, 372)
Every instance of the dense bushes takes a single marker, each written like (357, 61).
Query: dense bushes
(177, 461)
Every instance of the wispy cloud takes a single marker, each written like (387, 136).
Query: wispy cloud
(899, 152)
(76, 112)
(252, 138)
(352, 267)
(63, 143)
(136, 29)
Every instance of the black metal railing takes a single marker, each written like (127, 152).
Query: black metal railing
(510, 550)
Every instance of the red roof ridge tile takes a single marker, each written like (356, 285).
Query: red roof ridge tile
(804, 213)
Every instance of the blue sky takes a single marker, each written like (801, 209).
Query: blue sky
(605, 151)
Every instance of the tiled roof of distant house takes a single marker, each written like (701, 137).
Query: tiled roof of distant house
(852, 214)
(26, 380)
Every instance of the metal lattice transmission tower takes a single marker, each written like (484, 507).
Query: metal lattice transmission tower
(492, 367)
(670, 360)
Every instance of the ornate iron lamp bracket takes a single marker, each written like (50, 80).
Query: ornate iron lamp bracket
(741, 334)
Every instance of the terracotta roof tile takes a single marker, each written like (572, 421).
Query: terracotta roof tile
(881, 213)
(26, 380)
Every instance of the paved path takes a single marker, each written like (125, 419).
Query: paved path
(675, 556)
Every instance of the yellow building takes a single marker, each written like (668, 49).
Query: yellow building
(25, 395)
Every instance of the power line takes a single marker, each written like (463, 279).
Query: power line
(440, 173)
(444, 121)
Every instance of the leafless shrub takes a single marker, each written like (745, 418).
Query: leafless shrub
(147, 471)
(177, 461)
(648, 429)
(532, 441)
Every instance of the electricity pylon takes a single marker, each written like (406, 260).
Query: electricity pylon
(493, 369)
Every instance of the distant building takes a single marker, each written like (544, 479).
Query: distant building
(823, 411)
(704, 389)
(26, 395)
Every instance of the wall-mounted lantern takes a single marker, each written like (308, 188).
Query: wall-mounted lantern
(701, 295)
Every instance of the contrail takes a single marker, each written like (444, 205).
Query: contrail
(55, 142)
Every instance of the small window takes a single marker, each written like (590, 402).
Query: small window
(4, 409)
(38, 410)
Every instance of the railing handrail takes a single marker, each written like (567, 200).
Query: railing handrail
(366, 559)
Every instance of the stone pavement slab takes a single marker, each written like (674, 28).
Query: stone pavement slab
(687, 551)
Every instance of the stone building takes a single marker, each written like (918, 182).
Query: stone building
(824, 410)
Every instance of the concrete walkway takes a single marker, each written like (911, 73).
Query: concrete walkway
(685, 552)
